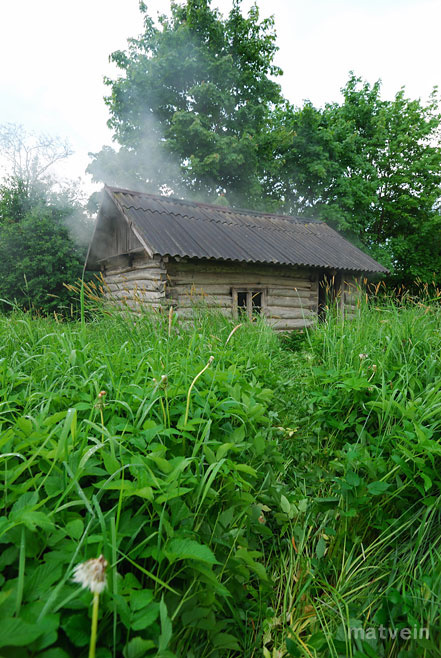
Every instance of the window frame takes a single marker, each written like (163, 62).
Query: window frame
(249, 290)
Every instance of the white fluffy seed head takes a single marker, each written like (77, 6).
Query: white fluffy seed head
(92, 574)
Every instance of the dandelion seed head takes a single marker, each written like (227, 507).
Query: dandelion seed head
(92, 574)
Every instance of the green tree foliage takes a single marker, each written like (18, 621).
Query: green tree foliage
(372, 168)
(190, 109)
(196, 111)
(37, 253)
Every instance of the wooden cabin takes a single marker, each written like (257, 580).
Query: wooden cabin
(158, 251)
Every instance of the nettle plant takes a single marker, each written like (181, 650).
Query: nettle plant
(148, 452)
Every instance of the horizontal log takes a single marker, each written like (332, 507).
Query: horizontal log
(190, 288)
(289, 313)
(149, 274)
(209, 303)
(292, 293)
(216, 284)
(130, 286)
(291, 302)
(240, 268)
(136, 295)
(135, 265)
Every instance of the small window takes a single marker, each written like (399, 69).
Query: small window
(249, 302)
(256, 301)
(242, 300)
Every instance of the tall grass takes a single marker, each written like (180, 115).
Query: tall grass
(366, 479)
(267, 501)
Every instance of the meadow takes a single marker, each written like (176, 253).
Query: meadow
(253, 495)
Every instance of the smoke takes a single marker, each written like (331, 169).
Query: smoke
(147, 165)
(27, 161)
(70, 200)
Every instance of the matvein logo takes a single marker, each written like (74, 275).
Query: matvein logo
(388, 633)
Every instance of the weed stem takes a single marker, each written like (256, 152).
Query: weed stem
(94, 627)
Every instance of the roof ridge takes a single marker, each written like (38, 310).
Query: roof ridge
(225, 209)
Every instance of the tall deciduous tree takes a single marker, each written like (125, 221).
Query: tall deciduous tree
(370, 166)
(189, 110)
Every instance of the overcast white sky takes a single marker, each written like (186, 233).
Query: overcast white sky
(54, 54)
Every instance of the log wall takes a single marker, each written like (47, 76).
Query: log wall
(290, 294)
(135, 280)
(289, 300)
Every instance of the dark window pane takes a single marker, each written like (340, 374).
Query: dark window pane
(242, 300)
(257, 302)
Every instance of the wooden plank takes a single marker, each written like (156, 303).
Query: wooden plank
(136, 275)
(200, 291)
(291, 293)
(240, 268)
(208, 303)
(135, 292)
(144, 284)
(292, 302)
(241, 281)
(289, 313)
(135, 265)
(135, 295)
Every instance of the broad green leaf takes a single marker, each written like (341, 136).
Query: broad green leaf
(320, 548)
(26, 501)
(285, 504)
(226, 641)
(166, 626)
(140, 598)
(18, 633)
(53, 653)
(77, 629)
(427, 482)
(189, 549)
(137, 648)
(244, 468)
(352, 479)
(75, 528)
(377, 488)
(144, 617)
(33, 520)
(161, 463)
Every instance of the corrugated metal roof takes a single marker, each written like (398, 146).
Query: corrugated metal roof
(175, 227)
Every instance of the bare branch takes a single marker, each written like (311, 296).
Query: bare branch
(29, 156)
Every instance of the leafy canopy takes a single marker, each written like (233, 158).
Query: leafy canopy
(189, 110)
(371, 167)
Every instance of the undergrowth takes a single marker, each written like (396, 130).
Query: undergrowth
(274, 500)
